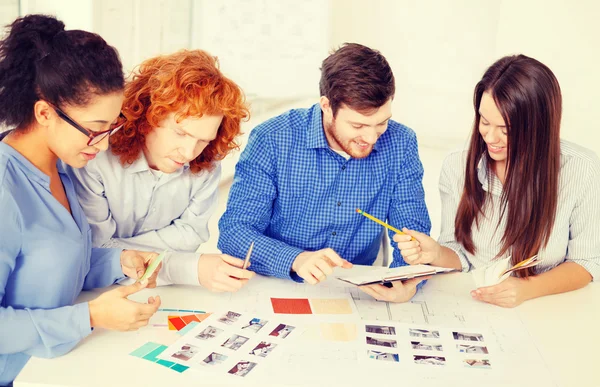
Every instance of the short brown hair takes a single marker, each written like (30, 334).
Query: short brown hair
(358, 77)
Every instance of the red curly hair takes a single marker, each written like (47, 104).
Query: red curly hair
(190, 84)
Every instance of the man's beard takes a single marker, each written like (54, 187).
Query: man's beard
(347, 145)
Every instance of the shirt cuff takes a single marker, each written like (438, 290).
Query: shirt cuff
(82, 319)
(283, 265)
(456, 247)
(179, 269)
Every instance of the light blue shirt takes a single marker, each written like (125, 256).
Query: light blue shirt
(46, 259)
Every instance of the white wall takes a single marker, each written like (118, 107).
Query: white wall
(565, 35)
(141, 29)
(9, 11)
(439, 50)
(76, 14)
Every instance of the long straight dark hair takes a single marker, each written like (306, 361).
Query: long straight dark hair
(528, 97)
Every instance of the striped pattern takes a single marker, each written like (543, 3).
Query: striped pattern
(576, 233)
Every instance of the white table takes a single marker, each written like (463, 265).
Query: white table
(564, 328)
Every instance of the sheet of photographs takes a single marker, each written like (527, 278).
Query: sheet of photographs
(387, 342)
(230, 342)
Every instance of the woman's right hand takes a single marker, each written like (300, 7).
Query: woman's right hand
(112, 310)
(421, 250)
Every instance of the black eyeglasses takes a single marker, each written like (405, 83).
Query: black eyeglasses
(94, 137)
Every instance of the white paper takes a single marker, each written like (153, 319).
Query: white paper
(233, 343)
(490, 275)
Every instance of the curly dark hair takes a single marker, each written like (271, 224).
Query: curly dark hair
(40, 60)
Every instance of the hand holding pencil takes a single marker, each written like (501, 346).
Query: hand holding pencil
(416, 248)
(223, 273)
(384, 224)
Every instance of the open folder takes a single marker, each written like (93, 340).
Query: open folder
(499, 270)
(385, 275)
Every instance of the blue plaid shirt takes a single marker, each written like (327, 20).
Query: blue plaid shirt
(292, 193)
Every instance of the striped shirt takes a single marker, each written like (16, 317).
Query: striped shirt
(576, 233)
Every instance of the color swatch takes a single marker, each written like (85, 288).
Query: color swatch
(291, 306)
(331, 306)
(311, 306)
(339, 332)
(150, 351)
(162, 315)
(187, 328)
(180, 322)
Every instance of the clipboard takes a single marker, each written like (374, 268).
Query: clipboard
(385, 276)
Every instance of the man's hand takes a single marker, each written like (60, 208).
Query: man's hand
(399, 292)
(134, 264)
(315, 266)
(222, 273)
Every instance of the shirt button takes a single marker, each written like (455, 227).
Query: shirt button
(154, 209)
(339, 203)
(333, 233)
(343, 167)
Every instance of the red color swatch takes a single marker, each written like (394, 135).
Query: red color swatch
(291, 305)
(177, 322)
(189, 318)
(180, 322)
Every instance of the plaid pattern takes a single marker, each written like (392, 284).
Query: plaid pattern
(292, 193)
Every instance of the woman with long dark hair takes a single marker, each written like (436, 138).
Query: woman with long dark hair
(61, 94)
(518, 191)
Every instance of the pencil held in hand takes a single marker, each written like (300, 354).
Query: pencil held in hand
(247, 260)
(374, 219)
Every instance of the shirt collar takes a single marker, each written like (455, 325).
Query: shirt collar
(315, 137)
(141, 165)
(33, 172)
(489, 181)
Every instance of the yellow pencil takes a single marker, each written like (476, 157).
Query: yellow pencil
(374, 219)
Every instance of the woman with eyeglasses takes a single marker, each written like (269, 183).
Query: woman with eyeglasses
(156, 187)
(61, 93)
(518, 191)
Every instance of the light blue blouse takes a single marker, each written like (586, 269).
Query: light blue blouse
(46, 259)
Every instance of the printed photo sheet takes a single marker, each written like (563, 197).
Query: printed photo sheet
(233, 343)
